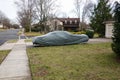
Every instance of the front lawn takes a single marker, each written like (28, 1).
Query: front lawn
(12, 41)
(74, 62)
(2, 30)
(32, 34)
(28, 40)
(3, 54)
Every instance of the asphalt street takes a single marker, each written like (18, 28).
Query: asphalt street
(8, 35)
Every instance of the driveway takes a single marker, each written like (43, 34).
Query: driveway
(99, 40)
(8, 35)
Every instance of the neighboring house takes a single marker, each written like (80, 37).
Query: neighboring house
(84, 26)
(55, 24)
(109, 25)
(1, 25)
(67, 24)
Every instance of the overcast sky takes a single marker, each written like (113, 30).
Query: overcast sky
(9, 8)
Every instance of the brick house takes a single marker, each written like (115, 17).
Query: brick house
(67, 24)
(70, 24)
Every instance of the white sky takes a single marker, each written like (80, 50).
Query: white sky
(66, 7)
(9, 8)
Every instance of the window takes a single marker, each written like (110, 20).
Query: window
(75, 21)
(65, 21)
(70, 22)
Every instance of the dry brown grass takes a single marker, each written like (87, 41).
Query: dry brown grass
(74, 62)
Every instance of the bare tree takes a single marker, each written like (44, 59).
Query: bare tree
(25, 13)
(44, 9)
(1, 15)
(4, 20)
(77, 4)
(86, 12)
(77, 10)
(83, 10)
(87, 9)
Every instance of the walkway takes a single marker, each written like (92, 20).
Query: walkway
(16, 66)
(99, 40)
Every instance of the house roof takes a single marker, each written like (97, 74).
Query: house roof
(68, 19)
(108, 22)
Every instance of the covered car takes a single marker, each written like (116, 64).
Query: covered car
(57, 38)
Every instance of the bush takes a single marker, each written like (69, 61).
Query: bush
(90, 33)
(116, 31)
(116, 38)
(35, 29)
(83, 32)
(80, 32)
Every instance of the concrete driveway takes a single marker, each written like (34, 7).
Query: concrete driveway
(99, 40)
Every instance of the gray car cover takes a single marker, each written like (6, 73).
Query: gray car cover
(59, 38)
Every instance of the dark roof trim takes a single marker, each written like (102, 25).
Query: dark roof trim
(68, 19)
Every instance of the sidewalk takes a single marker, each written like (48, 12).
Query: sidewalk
(16, 66)
(7, 46)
